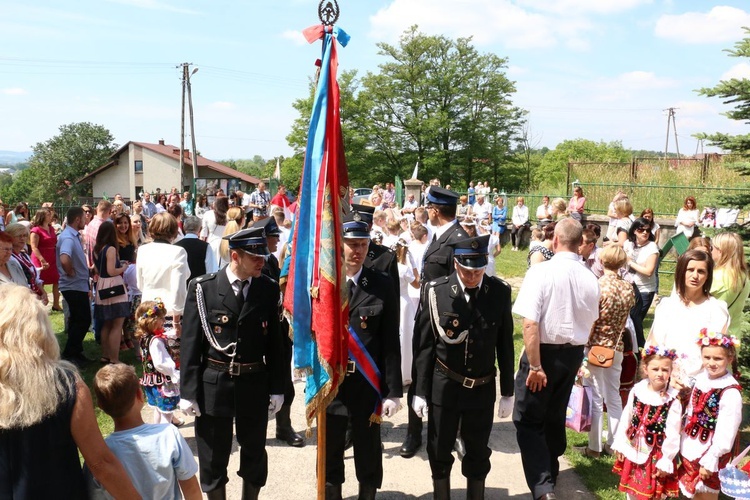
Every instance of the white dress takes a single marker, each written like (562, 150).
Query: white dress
(406, 323)
(677, 326)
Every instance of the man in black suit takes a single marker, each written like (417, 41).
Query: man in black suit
(233, 365)
(438, 263)
(201, 258)
(378, 256)
(284, 430)
(466, 325)
(373, 318)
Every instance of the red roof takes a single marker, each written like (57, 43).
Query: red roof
(174, 152)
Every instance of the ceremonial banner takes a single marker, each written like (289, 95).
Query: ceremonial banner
(315, 296)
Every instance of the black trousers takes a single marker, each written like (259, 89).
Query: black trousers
(79, 321)
(637, 317)
(213, 436)
(288, 353)
(516, 234)
(442, 428)
(539, 416)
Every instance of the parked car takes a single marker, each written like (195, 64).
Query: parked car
(361, 194)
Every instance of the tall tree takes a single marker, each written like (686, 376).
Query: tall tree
(736, 92)
(59, 162)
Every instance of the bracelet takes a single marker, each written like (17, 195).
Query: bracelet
(535, 368)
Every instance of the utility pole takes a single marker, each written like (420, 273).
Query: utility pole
(671, 121)
(192, 124)
(182, 122)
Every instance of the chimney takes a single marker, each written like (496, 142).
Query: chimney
(161, 142)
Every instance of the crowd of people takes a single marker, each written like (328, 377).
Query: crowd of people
(195, 289)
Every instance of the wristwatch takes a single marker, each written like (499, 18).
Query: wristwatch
(535, 368)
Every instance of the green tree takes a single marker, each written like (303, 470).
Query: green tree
(254, 166)
(59, 162)
(552, 172)
(736, 92)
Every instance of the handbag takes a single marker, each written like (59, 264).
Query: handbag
(578, 412)
(111, 292)
(601, 356)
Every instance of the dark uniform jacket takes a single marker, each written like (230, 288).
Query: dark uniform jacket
(381, 258)
(438, 257)
(254, 326)
(373, 315)
(490, 337)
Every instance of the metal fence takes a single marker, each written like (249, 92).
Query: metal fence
(661, 184)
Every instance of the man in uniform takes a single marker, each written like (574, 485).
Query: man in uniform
(373, 320)
(378, 256)
(233, 364)
(284, 430)
(465, 325)
(438, 263)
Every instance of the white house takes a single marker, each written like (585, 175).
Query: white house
(142, 167)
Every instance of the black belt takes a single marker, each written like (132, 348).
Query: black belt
(557, 347)
(235, 369)
(467, 382)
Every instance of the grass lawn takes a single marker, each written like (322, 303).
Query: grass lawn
(93, 351)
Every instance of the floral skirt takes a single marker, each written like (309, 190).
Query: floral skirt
(155, 397)
(690, 478)
(640, 481)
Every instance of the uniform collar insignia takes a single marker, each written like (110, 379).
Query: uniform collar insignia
(454, 289)
(486, 288)
(363, 281)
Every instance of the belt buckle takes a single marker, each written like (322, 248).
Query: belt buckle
(351, 366)
(469, 382)
(234, 369)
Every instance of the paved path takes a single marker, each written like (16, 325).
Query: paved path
(292, 470)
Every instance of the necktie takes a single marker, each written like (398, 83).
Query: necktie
(472, 293)
(351, 285)
(240, 284)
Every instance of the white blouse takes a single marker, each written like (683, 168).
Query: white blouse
(162, 273)
(639, 450)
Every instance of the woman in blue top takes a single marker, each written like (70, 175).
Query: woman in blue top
(499, 216)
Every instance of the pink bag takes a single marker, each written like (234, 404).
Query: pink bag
(578, 413)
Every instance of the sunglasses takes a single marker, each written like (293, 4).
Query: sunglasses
(643, 230)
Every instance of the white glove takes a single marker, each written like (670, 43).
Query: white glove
(391, 406)
(175, 377)
(189, 408)
(505, 407)
(275, 405)
(419, 405)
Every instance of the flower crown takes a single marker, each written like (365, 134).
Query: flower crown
(157, 310)
(706, 338)
(655, 350)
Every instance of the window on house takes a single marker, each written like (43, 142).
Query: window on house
(139, 165)
(138, 193)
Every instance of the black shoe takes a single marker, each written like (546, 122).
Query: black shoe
(333, 491)
(474, 489)
(219, 493)
(366, 492)
(441, 489)
(292, 438)
(411, 445)
(250, 491)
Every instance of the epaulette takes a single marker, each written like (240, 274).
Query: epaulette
(439, 281)
(499, 280)
(205, 277)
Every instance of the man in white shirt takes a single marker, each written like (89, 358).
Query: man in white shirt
(410, 205)
(559, 301)
(481, 209)
(543, 215)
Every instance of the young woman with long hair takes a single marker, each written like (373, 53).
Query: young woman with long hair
(730, 283)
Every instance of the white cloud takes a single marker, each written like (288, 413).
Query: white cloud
(488, 21)
(629, 86)
(154, 5)
(721, 24)
(738, 71)
(14, 91)
(514, 70)
(223, 105)
(582, 6)
(295, 36)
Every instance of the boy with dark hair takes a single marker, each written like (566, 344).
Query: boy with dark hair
(156, 457)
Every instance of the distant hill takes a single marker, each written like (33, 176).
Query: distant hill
(13, 157)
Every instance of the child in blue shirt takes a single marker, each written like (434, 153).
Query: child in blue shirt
(155, 456)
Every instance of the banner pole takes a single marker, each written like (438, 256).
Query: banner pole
(321, 418)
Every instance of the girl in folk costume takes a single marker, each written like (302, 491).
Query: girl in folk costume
(712, 418)
(647, 439)
(161, 372)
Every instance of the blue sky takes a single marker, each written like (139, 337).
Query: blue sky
(594, 69)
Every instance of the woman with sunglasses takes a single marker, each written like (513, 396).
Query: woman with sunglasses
(643, 257)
